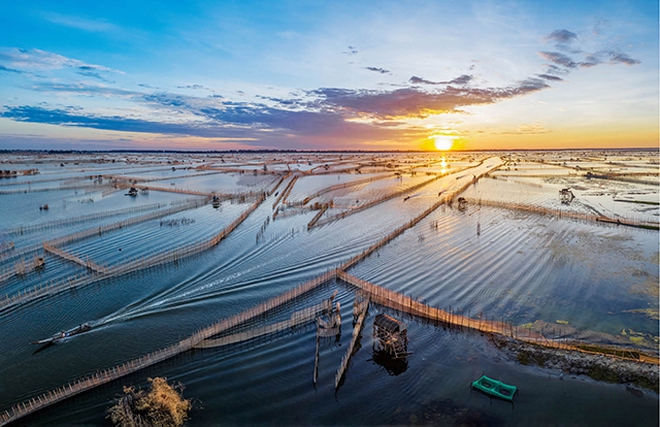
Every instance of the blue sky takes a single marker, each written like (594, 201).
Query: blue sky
(328, 75)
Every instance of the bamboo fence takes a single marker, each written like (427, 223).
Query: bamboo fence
(357, 329)
(318, 215)
(278, 183)
(298, 318)
(346, 185)
(404, 191)
(376, 202)
(562, 213)
(88, 263)
(285, 193)
(447, 196)
(83, 218)
(96, 231)
(158, 178)
(166, 189)
(140, 263)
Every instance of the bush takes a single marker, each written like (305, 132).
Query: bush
(162, 406)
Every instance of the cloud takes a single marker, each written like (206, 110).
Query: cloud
(562, 36)
(94, 75)
(555, 70)
(412, 102)
(461, 80)
(418, 80)
(591, 61)
(550, 77)
(80, 23)
(565, 40)
(559, 59)
(378, 70)
(85, 88)
(195, 87)
(71, 118)
(622, 58)
(319, 113)
(10, 70)
(35, 59)
(527, 129)
(352, 50)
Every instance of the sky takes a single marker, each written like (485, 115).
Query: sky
(328, 75)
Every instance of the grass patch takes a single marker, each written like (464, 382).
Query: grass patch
(162, 406)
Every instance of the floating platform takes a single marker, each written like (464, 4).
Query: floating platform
(495, 388)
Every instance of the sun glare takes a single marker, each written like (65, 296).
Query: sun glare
(443, 142)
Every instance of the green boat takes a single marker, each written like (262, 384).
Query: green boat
(495, 388)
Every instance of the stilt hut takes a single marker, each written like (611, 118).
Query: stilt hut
(390, 336)
(462, 204)
(566, 196)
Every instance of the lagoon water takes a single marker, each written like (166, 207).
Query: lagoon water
(601, 280)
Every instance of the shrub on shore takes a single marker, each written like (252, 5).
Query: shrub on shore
(162, 406)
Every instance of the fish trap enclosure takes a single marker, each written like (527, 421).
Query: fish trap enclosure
(390, 336)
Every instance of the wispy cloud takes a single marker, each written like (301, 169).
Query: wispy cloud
(622, 58)
(352, 50)
(85, 89)
(461, 80)
(564, 40)
(10, 70)
(559, 59)
(550, 77)
(527, 129)
(80, 23)
(562, 36)
(39, 60)
(562, 63)
(378, 70)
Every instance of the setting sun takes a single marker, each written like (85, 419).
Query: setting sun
(443, 142)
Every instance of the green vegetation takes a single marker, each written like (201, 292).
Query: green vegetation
(162, 406)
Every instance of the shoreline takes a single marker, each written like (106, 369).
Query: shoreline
(598, 367)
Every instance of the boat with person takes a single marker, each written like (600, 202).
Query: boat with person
(495, 388)
(65, 334)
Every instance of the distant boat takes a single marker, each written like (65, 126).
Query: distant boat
(132, 192)
(65, 334)
(495, 388)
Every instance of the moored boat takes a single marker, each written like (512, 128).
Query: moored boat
(495, 388)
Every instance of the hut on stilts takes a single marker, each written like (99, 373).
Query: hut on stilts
(390, 336)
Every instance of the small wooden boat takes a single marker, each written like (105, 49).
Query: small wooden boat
(65, 334)
(495, 388)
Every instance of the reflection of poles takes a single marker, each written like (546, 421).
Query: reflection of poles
(316, 356)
